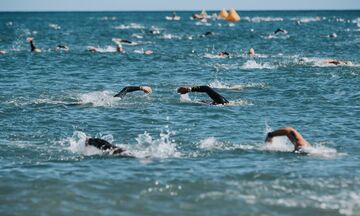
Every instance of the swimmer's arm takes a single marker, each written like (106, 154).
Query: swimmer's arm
(279, 132)
(217, 98)
(127, 89)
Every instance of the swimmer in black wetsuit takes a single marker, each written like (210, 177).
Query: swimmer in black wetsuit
(224, 54)
(279, 30)
(104, 145)
(217, 98)
(62, 47)
(32, 45)
(125, 90)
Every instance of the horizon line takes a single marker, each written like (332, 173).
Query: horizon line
(185, 10)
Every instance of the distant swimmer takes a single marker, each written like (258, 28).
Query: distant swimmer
(62, 47)
(337, 62)
(125, 90)
(333, 35)
(2, 52)
(32, 45)
(209, 33)
(154, 31)
(104, 145)
(251, 52)
(123, 41)
(224, 54)
(293, 135)
(216, 97)
(92, 49)
(119, 48)
(279, 30)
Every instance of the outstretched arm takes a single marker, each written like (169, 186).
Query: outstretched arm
(293, 135)
(31, 41)
(216, 97)
(124, 91)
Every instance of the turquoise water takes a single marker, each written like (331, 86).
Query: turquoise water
(190, 158)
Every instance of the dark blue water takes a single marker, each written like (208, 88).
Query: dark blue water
(190, 158)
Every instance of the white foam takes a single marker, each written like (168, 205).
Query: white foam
(170, 36)
(146, 146)
(252, 64)
(138, 36)
(54, 26)
(307, 19)
(107, 49)
(263, 19)
(99, 98)
(210, 143)
(220, 85)
(130, 26)
(214, 56)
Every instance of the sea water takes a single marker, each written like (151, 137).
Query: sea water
(189, 158)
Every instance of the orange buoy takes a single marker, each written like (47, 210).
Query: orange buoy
(233, 16)
(223, 14)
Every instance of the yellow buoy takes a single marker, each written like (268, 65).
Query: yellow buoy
(233, 16)
(223, 14)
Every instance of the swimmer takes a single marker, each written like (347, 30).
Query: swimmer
(2, 52)
(32, 45)
(281, 31)
(104, 145)
(224, 54)
(337, 62)
(62, 47)
(92, 49)
(293, 135)
(154, 31)
(148, 52)
(251, 52)
(119, 48)
(216, 97)
(123, 41)
(208, 33)
(125, 90)
(333, 35)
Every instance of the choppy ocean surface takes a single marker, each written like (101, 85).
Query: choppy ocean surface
(191, 158)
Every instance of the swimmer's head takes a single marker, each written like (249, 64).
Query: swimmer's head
(251, 51)
(29, 39)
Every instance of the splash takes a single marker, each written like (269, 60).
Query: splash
(54, 26)
(252, 64)
(77, 144)
(307, 19)
(214, 56)
(170, 36)
(219, 85)
(99, 98)
(107, 49)
(211, 143)
(263, 19)
(322, 62)
(146, 146)
(130, 26)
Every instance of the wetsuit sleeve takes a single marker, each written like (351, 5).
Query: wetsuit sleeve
(216, 97)
(103, 145)
(32, 46)
(127, 89)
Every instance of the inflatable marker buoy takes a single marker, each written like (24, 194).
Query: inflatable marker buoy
(223, 14)
(233, 16)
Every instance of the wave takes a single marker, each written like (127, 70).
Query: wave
(170, 36)
(307, 19)
(322, 62)
(146, 146)
(263, 19)
(54, 26)
(276, 36)
(130, 26)
(252, 64)
(108, 49)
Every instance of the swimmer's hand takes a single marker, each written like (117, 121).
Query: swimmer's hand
(268, 138)
(183, 90)
(29, 39)
(146, 89)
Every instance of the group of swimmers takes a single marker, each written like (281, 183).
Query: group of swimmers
(293, 135)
